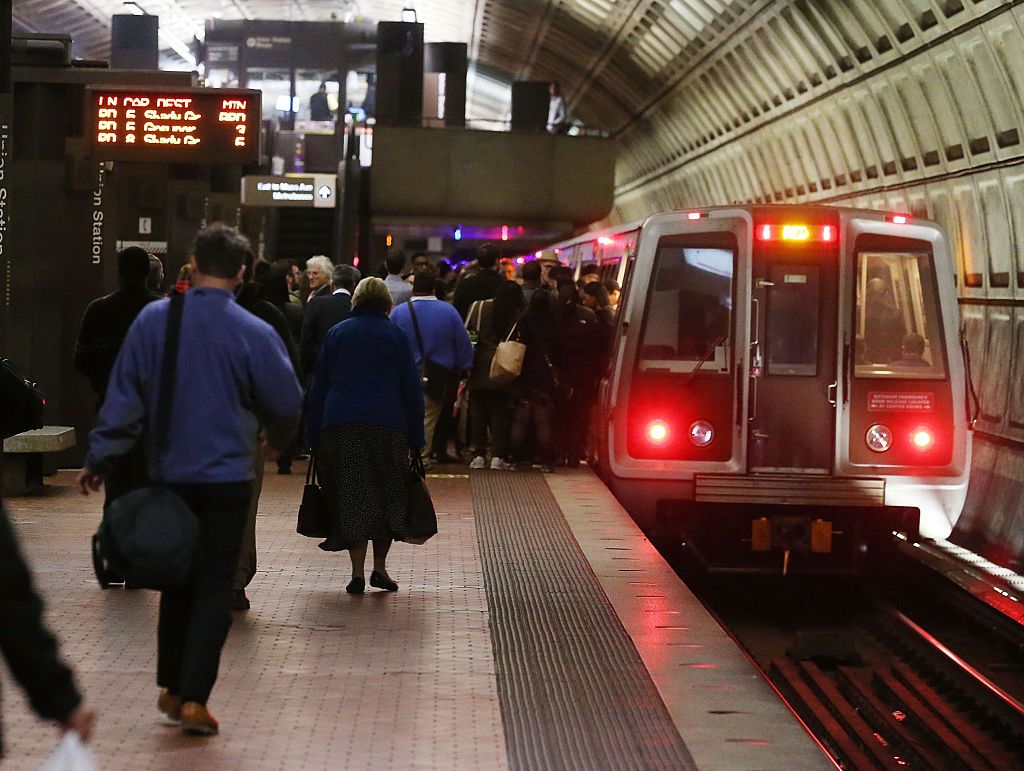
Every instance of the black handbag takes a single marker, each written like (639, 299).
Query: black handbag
(149, 536)
(314, 516)
(420, 517)
(439, 381)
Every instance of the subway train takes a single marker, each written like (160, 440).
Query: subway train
(788, 385)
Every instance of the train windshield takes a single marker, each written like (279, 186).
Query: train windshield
(689, 307)
(898, 331)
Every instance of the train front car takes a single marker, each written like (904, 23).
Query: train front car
(788, 388)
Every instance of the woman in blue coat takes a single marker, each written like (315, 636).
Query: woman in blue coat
(365, 413)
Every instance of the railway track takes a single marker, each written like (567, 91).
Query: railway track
(902, 670)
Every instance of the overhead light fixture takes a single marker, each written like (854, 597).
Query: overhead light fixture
(409, 14)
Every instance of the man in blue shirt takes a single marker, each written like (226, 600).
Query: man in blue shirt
(442, 339)
(397, 286)
(233, 375)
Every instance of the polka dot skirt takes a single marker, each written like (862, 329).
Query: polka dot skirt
(363, 471)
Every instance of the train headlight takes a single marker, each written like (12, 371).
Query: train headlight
(701, 433)
(878, 438)
(921, 438)
(657, 432)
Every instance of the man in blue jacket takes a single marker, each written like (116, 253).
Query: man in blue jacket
(233, 375)
(442, 339)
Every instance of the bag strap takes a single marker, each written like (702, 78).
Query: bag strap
(169, 371)
(416, 462)
(311, 470)
(512, 331)
(416, 329)
(478, 306)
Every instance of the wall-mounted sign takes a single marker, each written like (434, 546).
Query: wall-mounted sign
(268, 42)
(317, 191)
(194, 125)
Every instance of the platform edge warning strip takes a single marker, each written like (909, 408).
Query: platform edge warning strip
(574, 692)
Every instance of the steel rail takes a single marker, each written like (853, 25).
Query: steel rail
(992, 688)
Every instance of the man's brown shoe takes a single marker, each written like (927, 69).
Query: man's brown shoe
(170, 705)
(196, 720)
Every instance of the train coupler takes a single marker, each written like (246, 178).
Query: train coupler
(791, 534)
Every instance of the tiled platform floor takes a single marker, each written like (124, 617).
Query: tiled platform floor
(311, 677)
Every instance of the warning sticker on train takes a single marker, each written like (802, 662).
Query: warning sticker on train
(900, 401)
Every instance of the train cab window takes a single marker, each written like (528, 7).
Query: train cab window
(791, 324)
(689, 306)
(898, 332)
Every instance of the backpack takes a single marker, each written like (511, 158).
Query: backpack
(23, 403)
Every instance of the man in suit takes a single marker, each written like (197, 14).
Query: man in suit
(318, 271)
(324, 312)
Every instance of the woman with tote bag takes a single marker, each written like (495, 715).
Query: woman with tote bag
(489, 402)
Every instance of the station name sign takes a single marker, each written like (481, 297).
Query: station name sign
(317, 191)
(174, 125)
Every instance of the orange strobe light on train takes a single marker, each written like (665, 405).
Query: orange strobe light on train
(796, 232)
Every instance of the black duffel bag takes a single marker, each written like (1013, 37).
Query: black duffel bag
(149, 536)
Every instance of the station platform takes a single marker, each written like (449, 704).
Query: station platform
(538, 630)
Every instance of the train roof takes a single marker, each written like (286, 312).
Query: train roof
(626, 227)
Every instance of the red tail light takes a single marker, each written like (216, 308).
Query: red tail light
(657, 432)
(921, 438)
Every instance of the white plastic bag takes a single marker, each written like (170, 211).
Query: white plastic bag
(71, 755)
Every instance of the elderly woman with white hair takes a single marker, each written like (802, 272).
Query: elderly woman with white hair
(364, 415)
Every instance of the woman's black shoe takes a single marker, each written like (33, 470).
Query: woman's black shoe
(357, 585)
(382, 582)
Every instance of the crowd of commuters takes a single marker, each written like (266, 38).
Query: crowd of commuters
(382, 373)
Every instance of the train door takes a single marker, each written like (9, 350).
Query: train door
(794, 293)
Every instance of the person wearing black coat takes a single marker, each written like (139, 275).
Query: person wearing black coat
(103, 330)
(106, 320)
(249, 298)
(537, 387)
(324, 312)
(273, 287)
(584, 340)
(29, 647)
(483, 285)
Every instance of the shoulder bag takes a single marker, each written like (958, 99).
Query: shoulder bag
(473, 319)
(507, 363)
(439, 381)
(149, 536)
(420, 517)
(314, 515)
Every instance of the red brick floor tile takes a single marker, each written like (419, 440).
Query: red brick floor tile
(310, 678)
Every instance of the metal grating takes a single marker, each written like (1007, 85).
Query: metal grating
(796, 490)
(574, 692)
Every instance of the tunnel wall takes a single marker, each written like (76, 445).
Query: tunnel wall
(855, 104)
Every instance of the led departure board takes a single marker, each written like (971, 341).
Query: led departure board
(194, 125)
